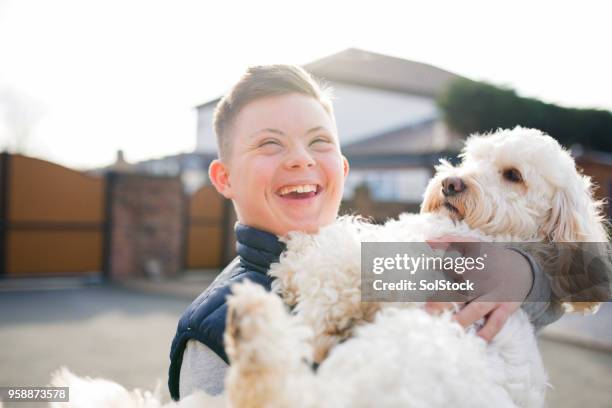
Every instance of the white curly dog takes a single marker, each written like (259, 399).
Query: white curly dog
(513, 185)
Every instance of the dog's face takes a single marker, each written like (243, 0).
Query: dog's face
(518, 182)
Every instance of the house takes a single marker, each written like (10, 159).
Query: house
(390, 127)
(388, 121)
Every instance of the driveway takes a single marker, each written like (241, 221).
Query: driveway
(125, 335)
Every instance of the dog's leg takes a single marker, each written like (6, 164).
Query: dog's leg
(514, 356)
(268, 351)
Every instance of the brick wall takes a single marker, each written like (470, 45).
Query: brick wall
(146, 226)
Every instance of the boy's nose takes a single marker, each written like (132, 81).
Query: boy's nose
(299, 158)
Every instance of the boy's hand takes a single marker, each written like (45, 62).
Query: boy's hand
(511, 268)
(496, 314)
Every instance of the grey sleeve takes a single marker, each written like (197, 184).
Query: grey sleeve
(202, 369)
(540, 304)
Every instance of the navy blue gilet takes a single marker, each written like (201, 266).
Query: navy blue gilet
(204, 319)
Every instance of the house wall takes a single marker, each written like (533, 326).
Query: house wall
(363, 111)
(206, 141)
(404, 185)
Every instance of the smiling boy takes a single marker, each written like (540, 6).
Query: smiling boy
(280, 163)
(284, 170)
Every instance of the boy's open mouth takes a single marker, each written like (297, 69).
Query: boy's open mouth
(299, 191)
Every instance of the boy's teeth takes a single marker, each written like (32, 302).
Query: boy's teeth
(305, 188)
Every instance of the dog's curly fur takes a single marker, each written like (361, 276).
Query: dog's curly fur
(520, 186)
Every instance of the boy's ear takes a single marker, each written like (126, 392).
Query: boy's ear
(218, 173)
(345, 165)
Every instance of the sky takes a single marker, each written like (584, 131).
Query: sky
(81, 79)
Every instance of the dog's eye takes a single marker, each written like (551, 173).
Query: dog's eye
(513, 175)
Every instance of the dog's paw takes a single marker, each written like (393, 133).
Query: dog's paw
(253, 314)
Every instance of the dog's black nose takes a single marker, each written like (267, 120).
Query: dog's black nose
(452, 186)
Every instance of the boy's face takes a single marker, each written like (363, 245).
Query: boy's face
(285, 171)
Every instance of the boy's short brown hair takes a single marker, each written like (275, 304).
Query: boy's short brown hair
(259, 82)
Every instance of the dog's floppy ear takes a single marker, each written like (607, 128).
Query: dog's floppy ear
(574, 215)
(563, 221)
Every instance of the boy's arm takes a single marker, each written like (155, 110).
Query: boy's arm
(550, 273)
(202, 369)
(541, 305)
(578, 273)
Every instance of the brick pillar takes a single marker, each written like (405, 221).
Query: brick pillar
(229, 237)
(145, 226)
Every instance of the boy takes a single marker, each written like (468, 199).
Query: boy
(280, 164)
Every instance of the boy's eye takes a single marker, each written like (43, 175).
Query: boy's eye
(319, 139)
(269, 143)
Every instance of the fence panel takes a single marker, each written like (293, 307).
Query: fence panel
(205, 229)
(53, 217)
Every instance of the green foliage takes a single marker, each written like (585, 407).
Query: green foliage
(470, 107)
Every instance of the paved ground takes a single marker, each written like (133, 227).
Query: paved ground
(593, 331)
(125, 335)
(106, 332)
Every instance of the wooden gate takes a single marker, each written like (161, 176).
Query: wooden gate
(206, 229)
(51, 219)
(55, 221)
